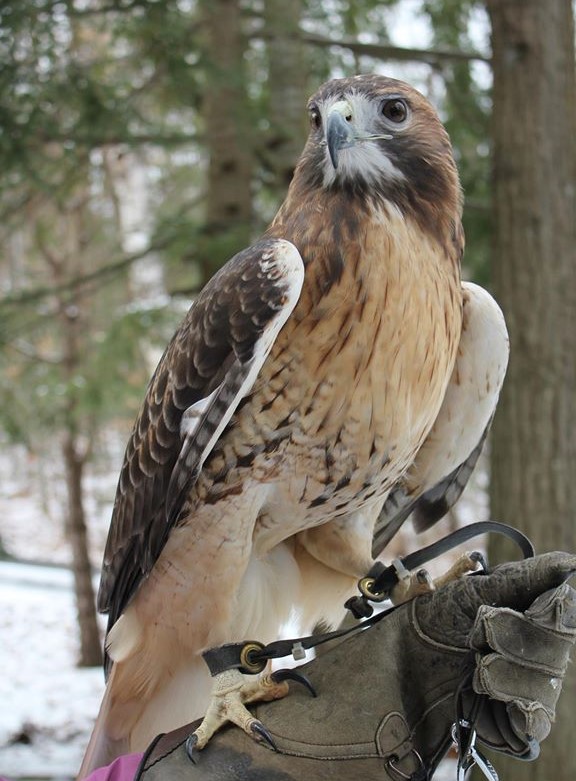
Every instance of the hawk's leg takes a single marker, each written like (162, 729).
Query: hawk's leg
(231, 692)
(467, 562)
(420, 582)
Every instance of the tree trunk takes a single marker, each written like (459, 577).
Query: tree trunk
(90, 644)
(533, 482)
(74, 454)
(74, 462)
(287, 87)
(228, 135)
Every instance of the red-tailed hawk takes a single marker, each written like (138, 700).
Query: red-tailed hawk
(337, 362)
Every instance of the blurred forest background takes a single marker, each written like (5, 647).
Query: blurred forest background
(143, 142)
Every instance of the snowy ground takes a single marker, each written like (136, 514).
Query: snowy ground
(47, 704)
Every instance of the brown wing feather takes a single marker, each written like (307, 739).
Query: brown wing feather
(222, 328)
(426, 508)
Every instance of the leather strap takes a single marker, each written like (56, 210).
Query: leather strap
(388, 577)
(382, 581)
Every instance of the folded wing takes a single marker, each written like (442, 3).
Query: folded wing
(207, 369)
(447, 457)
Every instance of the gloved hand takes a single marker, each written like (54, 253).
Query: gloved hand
(520, 662)
(387, 696)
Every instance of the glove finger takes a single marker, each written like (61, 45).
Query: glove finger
(507, 681)
(496, 731)
(540, 639)
(529, 721)
(447, 614)
(517, 584)
(555, 610)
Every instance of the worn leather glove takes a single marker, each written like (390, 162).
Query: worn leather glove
(497, 645)
(521, 660)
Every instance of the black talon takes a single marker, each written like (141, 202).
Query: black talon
(191, 749)
(287, 674)
(262, 734)
(423, 577)
(480, 559)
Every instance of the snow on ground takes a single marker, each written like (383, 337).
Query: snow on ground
(48, 705)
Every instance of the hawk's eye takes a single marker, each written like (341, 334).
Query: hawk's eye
(315, 118)
(395, 109)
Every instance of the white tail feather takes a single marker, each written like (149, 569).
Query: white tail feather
(177, 701)
(102, 748)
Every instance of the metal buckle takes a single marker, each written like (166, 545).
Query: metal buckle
(468, 755)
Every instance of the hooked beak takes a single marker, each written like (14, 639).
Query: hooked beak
(339, 132)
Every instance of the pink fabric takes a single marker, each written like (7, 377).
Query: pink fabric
(122, 769)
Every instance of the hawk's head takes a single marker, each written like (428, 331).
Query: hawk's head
(376, 139)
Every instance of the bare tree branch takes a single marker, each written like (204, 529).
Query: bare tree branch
(35, 294)
(83, 280)
(386, 51)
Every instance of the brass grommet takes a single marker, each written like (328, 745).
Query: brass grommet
(366, 586)
(251, 666)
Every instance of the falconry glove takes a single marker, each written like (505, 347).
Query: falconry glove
(488, 652)
(520, 661)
